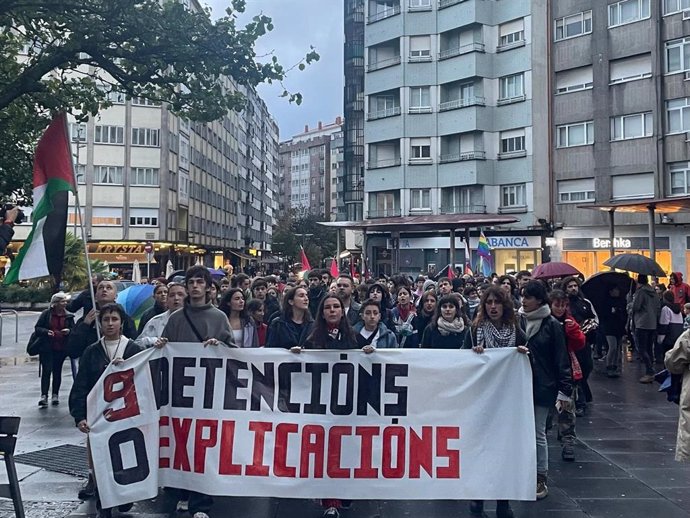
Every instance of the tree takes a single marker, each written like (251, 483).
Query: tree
(72, 54)
(74, 272)
(298, 228)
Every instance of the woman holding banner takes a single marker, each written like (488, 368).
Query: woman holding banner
(447, 329)
(495, 326)
(113, 347)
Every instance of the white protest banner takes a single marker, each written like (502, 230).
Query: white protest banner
(395, 424)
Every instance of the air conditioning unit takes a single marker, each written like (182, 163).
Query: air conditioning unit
(686, 15)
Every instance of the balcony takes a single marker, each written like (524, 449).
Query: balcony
(512, 154)
(475, 46)
(384, 63)
(382, 114)
(461, 103)
(353, 196)
(463, 209)
(511, 100)
(385, 213)
(420, 109)
(442, 4)
(382, 15)
(380, 164)
(461, 157)
(420, 161)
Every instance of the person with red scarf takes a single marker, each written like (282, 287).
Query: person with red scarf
(403, 314)
(575, 341)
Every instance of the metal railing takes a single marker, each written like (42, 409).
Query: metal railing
(458, 157)
(461, 103)
(3, 314)
(475, 46)
(391, 162)
(382, 15)
(447, 3)
(463, 209)
(387, 213)
(382, 114)
(395, 60)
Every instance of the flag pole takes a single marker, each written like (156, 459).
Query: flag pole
(77, 209)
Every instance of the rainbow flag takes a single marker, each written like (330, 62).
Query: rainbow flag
(484, 253)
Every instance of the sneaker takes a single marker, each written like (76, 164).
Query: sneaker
(43, 402)
(331, 512)
(200, 514)
(647, 378)
(542, 488)
(182, 506)
(568, 452)
(55, 400)
(89, 489)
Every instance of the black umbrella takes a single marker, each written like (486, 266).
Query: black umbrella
(597, 287)
(636, 263)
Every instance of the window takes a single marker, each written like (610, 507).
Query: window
(77, 132)
(632, 186)
(513, 195)
(108, 174)
(675, 6)
(109, 135)
(420, 199)
(678, 115)
(626, 127)
(573, 25)
(630, 69)
(573, 80)
(511, 88)
(184, 152)
(144, 176)
(580, 134)
(420, 149)
(143, 101)
(145, 137)
(679, 181)
(513, 142)
(511, 34)
(420, 99)
(628, 11)
(576, 191)
(678, 55)
(382, 204)
(383, 105)
(114, 96)
(420, 5)
(143, 217)
(420, 48)
(106, 216)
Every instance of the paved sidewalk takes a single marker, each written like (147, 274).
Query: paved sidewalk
(624, 465)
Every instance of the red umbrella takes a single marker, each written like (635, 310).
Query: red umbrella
(551, 270)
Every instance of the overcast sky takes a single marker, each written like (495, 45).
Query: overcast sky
(297, 25)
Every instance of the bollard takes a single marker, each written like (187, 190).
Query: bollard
(9, 426)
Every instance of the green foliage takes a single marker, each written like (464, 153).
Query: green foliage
(79, 50)
(297, 228)
(17, 293)
(74, 272)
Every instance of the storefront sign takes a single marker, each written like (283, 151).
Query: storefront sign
(495, 242)
(116, 248)
(620, 243)
(321, 424)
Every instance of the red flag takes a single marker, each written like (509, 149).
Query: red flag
(334, 269)
(451, 272)
(303, 259)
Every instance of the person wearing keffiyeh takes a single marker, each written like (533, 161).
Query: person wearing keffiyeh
(403, 313)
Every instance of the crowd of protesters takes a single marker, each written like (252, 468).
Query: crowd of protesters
(552, 323)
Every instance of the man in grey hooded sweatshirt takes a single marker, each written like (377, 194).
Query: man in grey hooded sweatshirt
(645, 314)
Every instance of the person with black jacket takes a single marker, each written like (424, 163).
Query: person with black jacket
(316, 292)
(7, 228)
(448, 328)
(160, 295)
(52, 328)
(613, 320)
(426, 309)
(294, 324)
(83, 300)
(84, 333)
(551, 373)
(379, 293)
(113, 347)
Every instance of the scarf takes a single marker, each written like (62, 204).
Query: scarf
(334, 332)
(444, 327)
(534, 318)
(488, 336)
(405, 312)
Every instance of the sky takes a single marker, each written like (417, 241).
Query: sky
(297, 25)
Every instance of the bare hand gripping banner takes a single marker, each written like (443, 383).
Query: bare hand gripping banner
(394, 424)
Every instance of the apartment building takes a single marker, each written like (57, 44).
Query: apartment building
(310, 165)
(455, 101)
(621, 116)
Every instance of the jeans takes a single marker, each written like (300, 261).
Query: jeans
(645, 346)
(51, 365)
(566, 425)
(541, 413)
(613, 358)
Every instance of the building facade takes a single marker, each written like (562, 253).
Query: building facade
(456, 104)
(310, 165)
(621, 113)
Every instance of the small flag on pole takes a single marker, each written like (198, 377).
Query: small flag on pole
(303, 259)
(43, 252)
(334, 268)
(468, 259)
(484, 253)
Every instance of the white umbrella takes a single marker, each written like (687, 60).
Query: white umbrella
(136, 272)
(169, 269)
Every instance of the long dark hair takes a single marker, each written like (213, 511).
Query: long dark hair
(422, 301)
(286, 310)
(226, 305)
(447, 299)
(508, 318)
(319, 334)
(385, 297)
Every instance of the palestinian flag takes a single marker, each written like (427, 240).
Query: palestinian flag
(44, 250)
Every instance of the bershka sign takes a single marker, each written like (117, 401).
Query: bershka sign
(618, 242)
(394, 424)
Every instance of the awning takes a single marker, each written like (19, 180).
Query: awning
(665, 205)
(426, 222)
(242, 255)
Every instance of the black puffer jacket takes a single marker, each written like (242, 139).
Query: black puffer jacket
(550, 362)
(91, 365)
(287, 334)
(85, 334)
